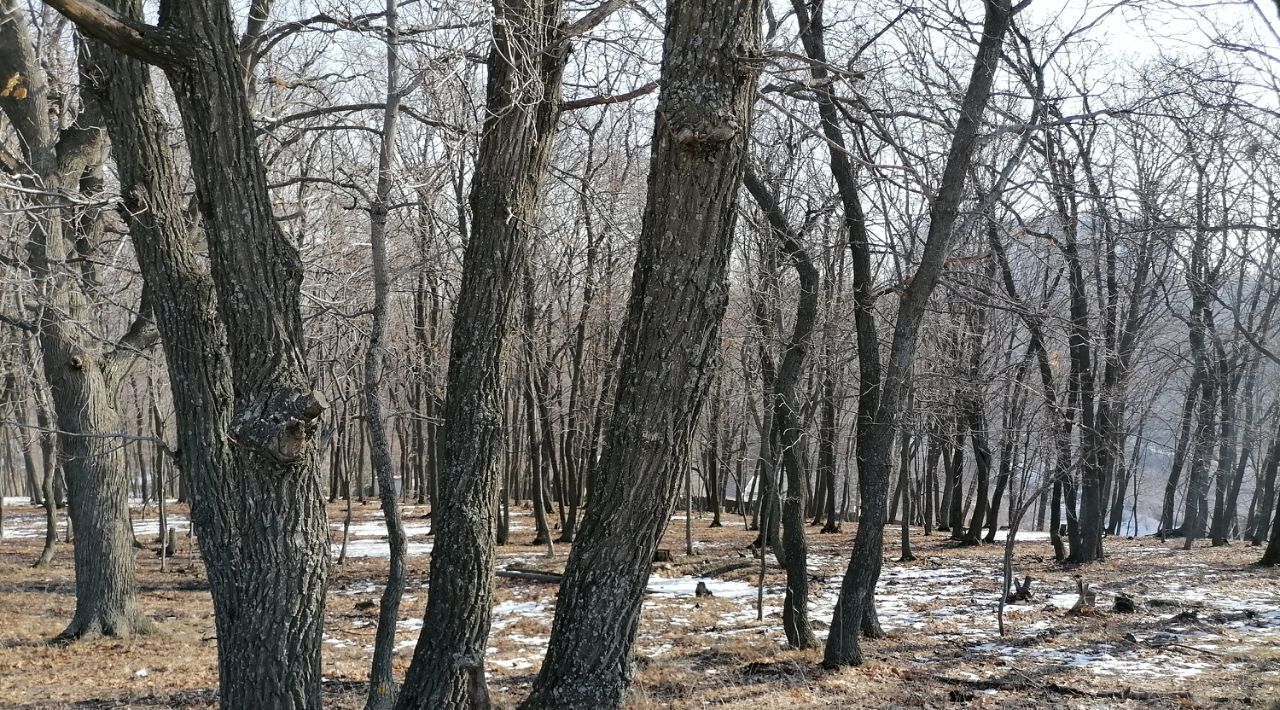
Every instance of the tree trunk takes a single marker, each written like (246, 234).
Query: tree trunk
(880, 406)
(266, 551)
(678, 297)
(381, 677)
(1180, 453)
(83, 376)
(795, 610)
(525, 64)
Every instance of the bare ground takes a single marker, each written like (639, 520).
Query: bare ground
(1206, 632)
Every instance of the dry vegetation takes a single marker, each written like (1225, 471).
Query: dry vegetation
(1206, 634)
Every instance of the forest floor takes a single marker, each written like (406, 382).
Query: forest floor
(1206, 632)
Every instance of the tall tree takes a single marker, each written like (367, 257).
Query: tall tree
(84, 374)
(880, 406)
(247, 412)
(381, 680)
(679, 291)
(526, 62)
(786, 421)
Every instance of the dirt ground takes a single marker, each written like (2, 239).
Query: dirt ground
(1206, 632)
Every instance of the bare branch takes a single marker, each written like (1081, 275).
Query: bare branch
(146, 42)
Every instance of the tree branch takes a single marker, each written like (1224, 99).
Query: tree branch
(142, 41)
(593, 18)
(606, 100)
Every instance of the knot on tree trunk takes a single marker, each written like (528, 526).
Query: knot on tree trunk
(280, 425)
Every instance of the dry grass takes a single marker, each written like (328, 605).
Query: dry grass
(692, 653)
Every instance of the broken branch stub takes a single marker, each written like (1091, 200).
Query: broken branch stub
(280, 426)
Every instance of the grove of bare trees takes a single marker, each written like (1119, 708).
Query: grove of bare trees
(942, 269)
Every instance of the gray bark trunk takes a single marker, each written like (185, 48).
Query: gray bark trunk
(525, 66)
(679, 293)
(236, 370)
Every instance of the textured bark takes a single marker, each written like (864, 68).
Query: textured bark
(83, 373)
(525, 66)
(246, 412)
(678, 296)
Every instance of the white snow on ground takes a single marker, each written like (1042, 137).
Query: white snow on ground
(378, 548)
(369, 538)
(957, 599)
(1106, 660)
(149, 528)
(377, 528)
(1023, 536)
(686, 586)
(508, 613)
(21, 519)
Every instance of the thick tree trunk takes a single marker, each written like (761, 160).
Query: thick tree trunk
(83, 375)
(679, 293)
(266, 552)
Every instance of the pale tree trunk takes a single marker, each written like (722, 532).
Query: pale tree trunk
(671, 333)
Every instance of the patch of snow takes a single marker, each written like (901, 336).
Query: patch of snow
(508, 613)
(687, 585)
(1023, 535)
(378, 548)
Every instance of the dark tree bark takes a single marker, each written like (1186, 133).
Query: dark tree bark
(526, 62)
(784, 401)
(1185, 424)
(237, 371)
(827, 452)
(955, 484)
(1225, 514)
(679, 293)
(1261, 522)
(878, 414)
(83, 374)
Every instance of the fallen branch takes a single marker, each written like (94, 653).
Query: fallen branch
(530, 575)
(1004, 684)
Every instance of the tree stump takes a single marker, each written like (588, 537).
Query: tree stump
(1124, 604)
(1022, 591)
(663, 555)
(1088, 602)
